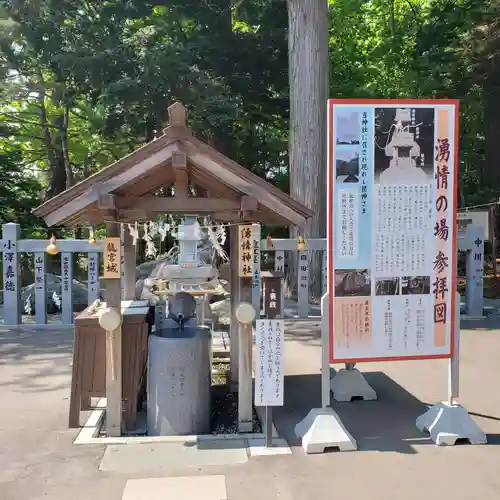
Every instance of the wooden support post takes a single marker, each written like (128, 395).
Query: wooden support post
(245, 407)
(128, 287)
(113, 353)
(235, 300)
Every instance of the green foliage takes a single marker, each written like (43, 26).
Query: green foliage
(19, 192)
(86, 82)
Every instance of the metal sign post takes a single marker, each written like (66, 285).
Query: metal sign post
(269, 427)
(269, 372)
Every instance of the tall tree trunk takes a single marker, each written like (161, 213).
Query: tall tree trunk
(491, 169)
(308, 76)
(65, 149)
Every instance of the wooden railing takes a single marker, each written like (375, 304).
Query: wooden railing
(12, 247)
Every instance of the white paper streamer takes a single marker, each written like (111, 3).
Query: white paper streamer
(134, 232)
(217, 234)
(153, 229)
(163, 229)
(217, 237)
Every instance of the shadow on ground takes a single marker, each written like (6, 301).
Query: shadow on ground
(37, 356)
(387, 424)
(22, 342)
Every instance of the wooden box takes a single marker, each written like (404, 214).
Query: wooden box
(89, 358)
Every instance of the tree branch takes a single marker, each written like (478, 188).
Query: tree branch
(15, 118)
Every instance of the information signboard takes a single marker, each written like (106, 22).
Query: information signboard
(269, 371)
(392, 176)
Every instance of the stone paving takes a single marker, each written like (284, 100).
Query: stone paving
(39, 461)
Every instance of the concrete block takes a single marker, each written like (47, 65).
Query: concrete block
(349, 384)
(321, 429)
(447, 423)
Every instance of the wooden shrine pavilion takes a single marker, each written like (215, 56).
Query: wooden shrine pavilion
(205, 182)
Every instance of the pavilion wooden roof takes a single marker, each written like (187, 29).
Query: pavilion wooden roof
(124, 191)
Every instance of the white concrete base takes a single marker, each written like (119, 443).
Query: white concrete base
(446, 423)
(348, 384)
(322, 428)
(257, 447)
(90, 432)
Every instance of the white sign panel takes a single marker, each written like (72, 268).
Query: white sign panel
(269, 369)
(393, 168)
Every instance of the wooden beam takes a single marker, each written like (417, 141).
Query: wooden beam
(249, 204)
(179, 160)
(234, 330)
(129, 263)
(131, 215)
(245, 407)
(226, 216)
(181, 184)
(173, 204)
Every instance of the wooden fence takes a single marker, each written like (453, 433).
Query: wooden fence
(12, 247)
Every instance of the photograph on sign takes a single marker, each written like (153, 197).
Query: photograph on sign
(269, 369)
(112, 258)
(347, 166)
(391, 228)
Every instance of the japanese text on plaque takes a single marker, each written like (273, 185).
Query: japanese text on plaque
(245, 250)
(112, 258)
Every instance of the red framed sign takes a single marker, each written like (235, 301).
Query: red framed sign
(392, 178)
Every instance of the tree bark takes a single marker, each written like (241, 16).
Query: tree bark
(65, 149)
(308, 77)
(491, 172)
